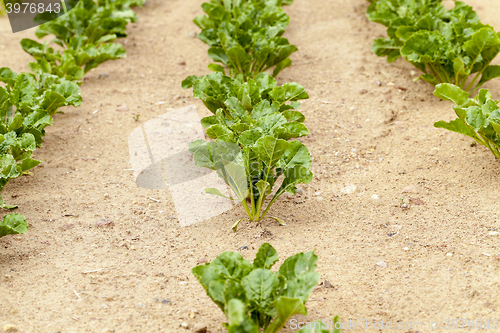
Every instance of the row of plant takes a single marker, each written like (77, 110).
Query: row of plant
(251, 148)
(253, 118)
(84, 36)
(454, 50)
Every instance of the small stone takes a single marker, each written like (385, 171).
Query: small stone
(416, 201)
(319, 199)
(411, 189)
(244, 247)
(191, 34)
(348, 189)
(141, 305)
(183, 283)
(421, 98)
(122, 108)
(10, 328)
(185, 325)
(382, 264)
(375, 197)
(200, 328)
(327, 284)
(412, 73)
(494, 233)
(406, 248)
(449, 254)
(378, 83)
(363, 91)
(103, 75)
(299, 191)
(181, 63)
(317, 193)
(202, 261)
(106, 195)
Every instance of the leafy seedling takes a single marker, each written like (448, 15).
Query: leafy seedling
(478, 118)
(448, 46)
(253, 297)
(251, 127)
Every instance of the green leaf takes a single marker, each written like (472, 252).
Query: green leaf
(13, 224)
(281, 66)
(266, 257)
(239, 322)
(215, 191)
(458, 126)
(451, 92)
(260, 286)
(286, 308)
(269, 149)
(189, 81)
(491, 72)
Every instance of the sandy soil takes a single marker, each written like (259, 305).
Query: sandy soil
(441, 261)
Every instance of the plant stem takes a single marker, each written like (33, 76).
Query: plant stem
(474, 81)
(64, 6)
(245, 205)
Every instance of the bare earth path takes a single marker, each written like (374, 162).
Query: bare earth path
(75, 271)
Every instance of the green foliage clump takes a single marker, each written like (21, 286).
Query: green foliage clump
(251, 127)
(246, 36)
(478, 118)
(251, 295)
(448, 46)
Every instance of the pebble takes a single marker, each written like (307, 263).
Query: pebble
(416, 201)
(103, 75)
(141, 305)
(327, 284)
(494, 233)
(348, 189)
(243, 248)
(183, 283)
(449, 254)
(191, 34)
(202, 261)
(122, 108)
(382, 264)
(299, 191)
(200, 328)
(406, 248)
(162, 301)
(318, 193)
(378, 83)
(411, 189)
(185, 325)
(375, 197)
(10, 328)
(363, 91)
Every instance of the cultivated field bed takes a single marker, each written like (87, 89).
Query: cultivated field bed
(102, 256)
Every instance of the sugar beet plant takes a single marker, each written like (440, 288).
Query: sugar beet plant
(478, 118)
(251, 295)
(28, 101)
(86, 34)
(448, 46)
(245, 36)
(251, 126)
